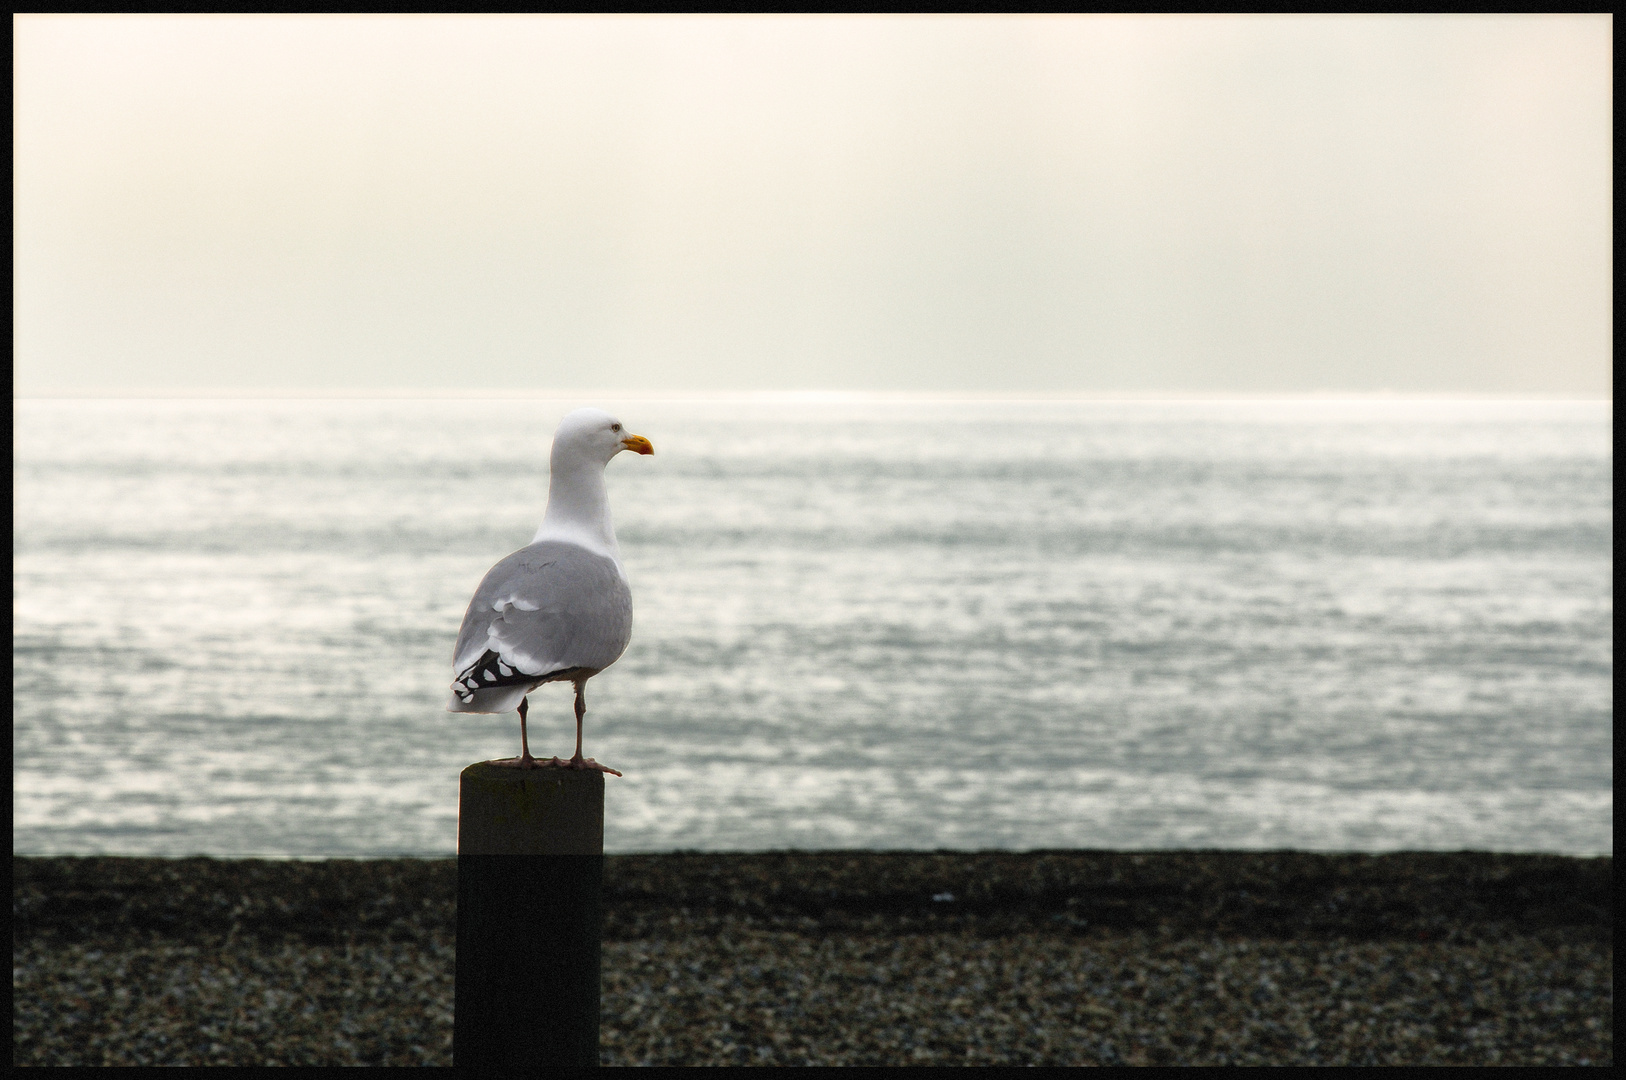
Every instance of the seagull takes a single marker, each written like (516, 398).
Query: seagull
(558, 609)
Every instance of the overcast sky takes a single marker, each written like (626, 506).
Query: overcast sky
(704, 203)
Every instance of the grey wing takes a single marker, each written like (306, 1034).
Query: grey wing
(546, 608)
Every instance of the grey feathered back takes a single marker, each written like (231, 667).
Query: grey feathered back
(547, 608)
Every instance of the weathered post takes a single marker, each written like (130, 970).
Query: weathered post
(530, 873)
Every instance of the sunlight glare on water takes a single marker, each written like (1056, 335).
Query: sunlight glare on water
(1340, 625)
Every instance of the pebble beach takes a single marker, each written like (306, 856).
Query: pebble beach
(846, 958)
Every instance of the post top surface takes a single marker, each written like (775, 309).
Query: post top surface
(544, 811)
(493, 771)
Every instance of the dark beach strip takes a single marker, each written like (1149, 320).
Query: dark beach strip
(1063, 957)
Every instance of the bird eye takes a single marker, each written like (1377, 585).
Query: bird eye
(615, 427)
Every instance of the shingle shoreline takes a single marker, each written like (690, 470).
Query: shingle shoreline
(846, 957)
(1420, 896)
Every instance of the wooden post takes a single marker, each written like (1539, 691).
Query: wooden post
(530, 874)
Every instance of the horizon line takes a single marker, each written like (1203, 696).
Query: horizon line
(794, 396)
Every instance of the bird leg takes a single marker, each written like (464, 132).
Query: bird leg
(579, 762)
(525, 760)
(581, 711)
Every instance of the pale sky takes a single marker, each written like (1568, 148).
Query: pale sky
(1012, 204)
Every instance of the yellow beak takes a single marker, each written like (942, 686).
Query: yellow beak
(637, 444)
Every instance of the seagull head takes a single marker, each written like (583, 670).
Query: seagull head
(595, 435)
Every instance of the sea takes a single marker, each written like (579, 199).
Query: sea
(860, 623)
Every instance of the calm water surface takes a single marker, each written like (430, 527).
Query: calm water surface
(1328, 625)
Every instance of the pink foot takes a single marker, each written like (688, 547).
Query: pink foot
(579, 762)
(525, 762)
